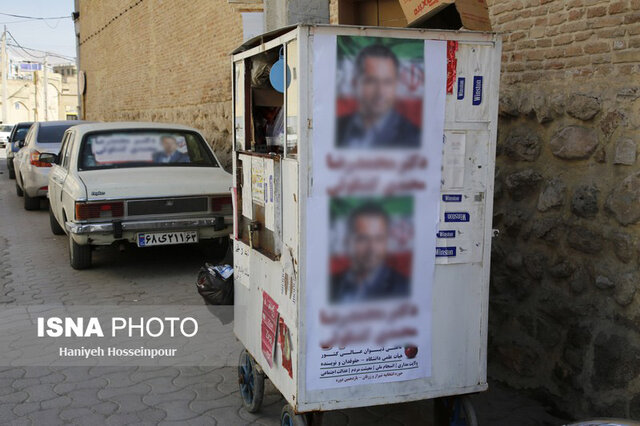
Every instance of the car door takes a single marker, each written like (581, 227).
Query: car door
(19, 159)
(57, 175)
(70, 185)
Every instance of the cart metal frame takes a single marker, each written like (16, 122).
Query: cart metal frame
(460, 290)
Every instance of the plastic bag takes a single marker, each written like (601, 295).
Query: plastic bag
(215, 284)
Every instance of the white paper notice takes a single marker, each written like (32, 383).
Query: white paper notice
(453, 160)
(257, 180)
(247, 204)
(270, 194)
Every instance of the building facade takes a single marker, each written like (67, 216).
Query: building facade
(565, 313)
(26, 96)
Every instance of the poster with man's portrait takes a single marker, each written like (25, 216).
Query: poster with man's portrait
(372, 209)
(371, 249)
(379, 91)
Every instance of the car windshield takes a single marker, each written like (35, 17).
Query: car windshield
(144, 148)
(52, 133)
(5, 129)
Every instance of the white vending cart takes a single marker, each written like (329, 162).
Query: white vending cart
(363, 163)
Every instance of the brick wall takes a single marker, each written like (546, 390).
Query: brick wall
(164, 61)
(561, 39)
(565, 318)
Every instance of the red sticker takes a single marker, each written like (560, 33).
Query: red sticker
(269, 326)
(452, 64)
(284, 339)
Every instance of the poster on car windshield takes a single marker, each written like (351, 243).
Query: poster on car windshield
(372, 214)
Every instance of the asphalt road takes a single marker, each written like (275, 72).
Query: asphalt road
(34, 269)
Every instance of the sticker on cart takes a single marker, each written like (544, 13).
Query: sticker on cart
(452, 198)
(457, 217)
(247, 205)
(445, 251)
(461, 81)
(477, 90)
(269, 327)
(258, 192)
(453, 161)
(451, 233)
(284, 339)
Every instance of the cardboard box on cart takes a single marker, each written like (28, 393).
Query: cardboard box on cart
(474, 14)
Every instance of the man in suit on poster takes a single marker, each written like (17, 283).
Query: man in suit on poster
(170, 153)
(376, 123)
(368, 276)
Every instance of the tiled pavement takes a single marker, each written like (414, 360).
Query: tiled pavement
(34, 269)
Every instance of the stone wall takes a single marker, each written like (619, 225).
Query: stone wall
(165, 61)
(565, 313)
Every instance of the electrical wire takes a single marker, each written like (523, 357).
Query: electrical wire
(25, 50)
(115, 18)
(35, 18)
(16, 22)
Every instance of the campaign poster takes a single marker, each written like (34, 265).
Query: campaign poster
(373, 208)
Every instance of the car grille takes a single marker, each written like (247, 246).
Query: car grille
(167, 206)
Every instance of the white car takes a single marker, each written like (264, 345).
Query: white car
(143, 183)
(32, 175)
(5, 131)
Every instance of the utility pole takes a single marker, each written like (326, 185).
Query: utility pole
(46, 89)
(4, 76)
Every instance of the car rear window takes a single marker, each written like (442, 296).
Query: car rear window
(144, 148)
(20, 133)
(53, 133)
(6, 128)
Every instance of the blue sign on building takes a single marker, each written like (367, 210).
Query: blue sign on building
(30, 66)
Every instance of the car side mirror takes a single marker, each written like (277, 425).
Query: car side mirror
(49, 158)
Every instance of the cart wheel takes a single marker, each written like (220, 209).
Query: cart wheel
(455, 411)
(289, 418)
(251, 382)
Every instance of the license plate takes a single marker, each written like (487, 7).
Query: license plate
(147, 239)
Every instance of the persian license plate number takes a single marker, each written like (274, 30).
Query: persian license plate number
(148, 239)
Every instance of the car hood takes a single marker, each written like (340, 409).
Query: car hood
(151, 182)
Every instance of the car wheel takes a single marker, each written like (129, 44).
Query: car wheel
(19, 192)
(79, 255)
(31, 203)
(12, 174)
(53, 222)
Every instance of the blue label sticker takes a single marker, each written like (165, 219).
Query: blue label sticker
(452, 198)
(456, 217)
(477, 90)
(446, 234)
(460, 87)
(445, 251)
(141, 240)
(271, 188)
